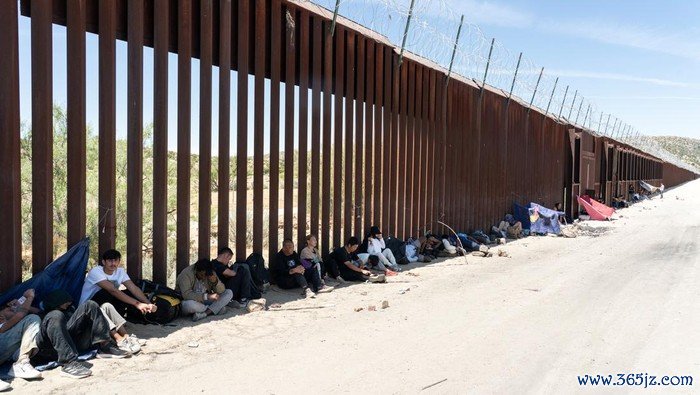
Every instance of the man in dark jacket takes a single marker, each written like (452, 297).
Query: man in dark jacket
(287, 272)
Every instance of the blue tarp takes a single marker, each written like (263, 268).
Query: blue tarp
(544, 220)
(67, 273)
(521, 214)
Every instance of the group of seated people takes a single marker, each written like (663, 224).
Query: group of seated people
(62, 331)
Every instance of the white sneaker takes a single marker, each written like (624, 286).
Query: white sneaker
(141, 342)
(4, 386)
(256, 305)
(325, 289)
(24, 370)
(198, 316)
(309, 293)
(129, 345)
(377, 278)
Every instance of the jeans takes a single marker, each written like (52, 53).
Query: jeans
(241, 284)
(66, 334)
(310, 279)
(21, 336)
(192, 306)
(468, 244)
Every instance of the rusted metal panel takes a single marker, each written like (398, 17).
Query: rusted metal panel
(327, 132)
(316, 82)
(361, 177)
(303, 50)
(242, 141)
(75, 122)
(387, 146)
(134, 189)
(184, 89)
(107, 131)
(370, 136)
(160, 141)
(378, 127)
(205, 102)
(10, 216)
(42, 136)
(289, 116)
(418, 162)
(224, 56)
(338, 135)
(349, 144)
(399, 165)
(276, 39)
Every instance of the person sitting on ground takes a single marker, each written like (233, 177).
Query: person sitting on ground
(288, 272)
(349, 264)
(377, 247)
(102, 286)
(18, 332)
(66, 332)
(238, 279)
(509, 227)
(202, 292)
(311, 258)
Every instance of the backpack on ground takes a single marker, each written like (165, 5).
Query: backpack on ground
(167, 300)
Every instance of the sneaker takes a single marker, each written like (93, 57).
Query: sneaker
(198, 316)
(325, 289)
(234, 304)
(110, 351)
(483, 248)
(309, 293)
(129, 345)
(256, 305)
(24, 370)
(377, 278)
(265, 287)
(341, 280)
(75, 370)
(4, 386)
(222, 311)
(141, 342)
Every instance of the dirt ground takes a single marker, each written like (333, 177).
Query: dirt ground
(624, 297)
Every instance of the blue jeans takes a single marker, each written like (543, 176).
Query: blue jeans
(468, 244)
(21, 336)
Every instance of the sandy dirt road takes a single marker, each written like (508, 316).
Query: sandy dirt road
(625, 298)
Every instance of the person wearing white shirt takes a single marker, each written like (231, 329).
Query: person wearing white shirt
(102, 286)
(377, 247)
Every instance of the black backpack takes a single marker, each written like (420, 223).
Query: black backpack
(398, 248)
(168, 301)
(258, 272)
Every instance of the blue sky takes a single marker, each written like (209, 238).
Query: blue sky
(638, 60)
